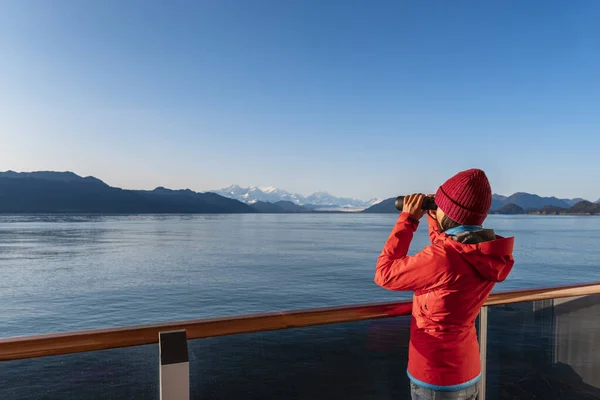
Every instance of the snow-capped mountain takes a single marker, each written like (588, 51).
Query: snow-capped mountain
(271, 194)
(326, 199)
(259, 193)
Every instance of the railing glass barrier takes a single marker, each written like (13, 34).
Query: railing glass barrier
(541, 349)
(548, 349)
(120, 374)
(357, 360)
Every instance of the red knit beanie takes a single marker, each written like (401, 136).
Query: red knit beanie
(465, 198)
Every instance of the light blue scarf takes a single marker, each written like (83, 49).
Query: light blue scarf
(462, 228)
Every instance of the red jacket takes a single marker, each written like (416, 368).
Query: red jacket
(451, 281)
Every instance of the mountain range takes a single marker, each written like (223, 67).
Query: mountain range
(315, 201)
(525, 201)
(529, 201)
(67, 192)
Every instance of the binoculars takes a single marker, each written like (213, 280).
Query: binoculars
(428, 204)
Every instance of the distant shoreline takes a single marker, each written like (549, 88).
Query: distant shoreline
(175, 213)
(99, 214)
(552, 215)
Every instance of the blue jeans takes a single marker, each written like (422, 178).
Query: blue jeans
(420, 393)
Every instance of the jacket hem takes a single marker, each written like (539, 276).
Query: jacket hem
(440, 388)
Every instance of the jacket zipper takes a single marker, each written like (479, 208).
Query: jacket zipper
(425, 305)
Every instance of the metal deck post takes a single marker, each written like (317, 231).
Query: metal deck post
(174, 366)
(483, 326)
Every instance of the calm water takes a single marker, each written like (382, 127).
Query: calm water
(62, 273)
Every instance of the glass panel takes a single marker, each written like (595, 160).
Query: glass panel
(122, 374)
(544, 349)
(353, 361)
(359, 360)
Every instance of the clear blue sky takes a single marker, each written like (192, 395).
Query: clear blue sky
(359, 98)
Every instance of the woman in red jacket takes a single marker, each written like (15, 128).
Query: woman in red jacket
(451, 279)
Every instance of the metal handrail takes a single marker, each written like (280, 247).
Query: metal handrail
(101, 339)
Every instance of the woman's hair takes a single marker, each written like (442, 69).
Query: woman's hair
(447, 223)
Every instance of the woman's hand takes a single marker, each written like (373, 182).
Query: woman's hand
(413, 204)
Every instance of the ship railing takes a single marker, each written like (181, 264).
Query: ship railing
(564, 321)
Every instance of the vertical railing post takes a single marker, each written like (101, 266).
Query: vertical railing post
(174, 366)
(483, 326)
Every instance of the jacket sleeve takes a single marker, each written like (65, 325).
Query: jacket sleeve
(434, 228)
(397, 271)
